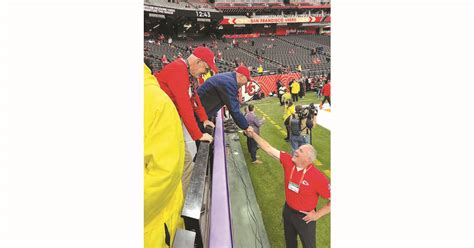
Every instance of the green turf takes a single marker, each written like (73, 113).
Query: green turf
(267, 178)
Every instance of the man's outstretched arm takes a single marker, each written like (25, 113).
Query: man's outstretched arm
(274, 153)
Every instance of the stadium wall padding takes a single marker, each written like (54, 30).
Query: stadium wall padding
(268, 83)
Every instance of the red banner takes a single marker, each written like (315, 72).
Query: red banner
(268, 83)
(237, 36)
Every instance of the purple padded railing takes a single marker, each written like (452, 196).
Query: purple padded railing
(220, 235)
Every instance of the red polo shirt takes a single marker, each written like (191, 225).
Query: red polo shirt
(314, 184)
(174, 80)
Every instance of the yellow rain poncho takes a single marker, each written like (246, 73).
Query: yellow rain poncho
(163, 165)
(288, 111)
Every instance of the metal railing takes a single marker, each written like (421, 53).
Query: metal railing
(196, 204)
(208, 188)
(184, 239)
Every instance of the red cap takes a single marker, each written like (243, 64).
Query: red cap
(244, 70)
(207, 56)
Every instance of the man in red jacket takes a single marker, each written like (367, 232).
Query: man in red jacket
(326, 93)
(176, 80)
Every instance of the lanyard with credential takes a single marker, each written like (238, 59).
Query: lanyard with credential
(302, 177)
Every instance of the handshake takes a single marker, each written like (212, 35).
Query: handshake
(249, 132)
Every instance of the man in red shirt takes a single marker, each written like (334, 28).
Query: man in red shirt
(176, 80)
(326, 91)
(304, 183)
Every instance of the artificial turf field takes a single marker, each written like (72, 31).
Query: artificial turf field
(267, 178)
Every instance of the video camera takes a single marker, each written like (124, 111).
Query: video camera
(307, 111)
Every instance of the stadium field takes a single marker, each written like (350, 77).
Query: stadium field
(267, 178)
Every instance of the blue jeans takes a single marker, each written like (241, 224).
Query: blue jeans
(297, 141)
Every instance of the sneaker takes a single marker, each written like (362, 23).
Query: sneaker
(257, 162)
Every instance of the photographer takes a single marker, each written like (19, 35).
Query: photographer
(301, 123)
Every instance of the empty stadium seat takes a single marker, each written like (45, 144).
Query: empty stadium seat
(277, 52)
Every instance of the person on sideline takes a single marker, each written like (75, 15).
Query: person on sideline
(288, 111)
(301, 123)
(295, 90)
(280, 91)
(255, 123)
(326, 91)
(286, 95)
(304, 184)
